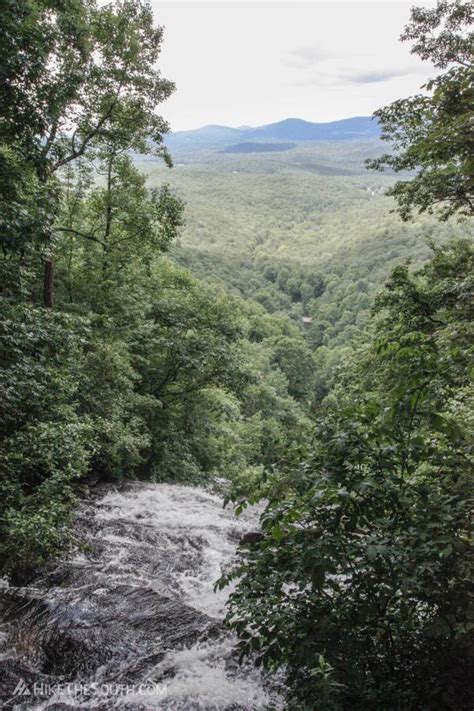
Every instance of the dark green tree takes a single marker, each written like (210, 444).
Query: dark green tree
(75, 76)
(432, 133)
(107, 228)
(360, 587)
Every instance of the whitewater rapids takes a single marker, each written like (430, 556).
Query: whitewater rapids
(133, 622)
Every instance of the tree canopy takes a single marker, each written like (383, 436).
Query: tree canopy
(349, 417)
(359, 588)
(76, 77)
(432, 133)
(135, 368)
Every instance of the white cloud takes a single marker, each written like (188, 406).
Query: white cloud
(240, 63)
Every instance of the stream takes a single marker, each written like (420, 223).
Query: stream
(132, 621)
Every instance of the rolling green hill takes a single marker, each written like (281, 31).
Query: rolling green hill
(254, 147)
(306, 231)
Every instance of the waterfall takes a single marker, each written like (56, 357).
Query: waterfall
(132, 621)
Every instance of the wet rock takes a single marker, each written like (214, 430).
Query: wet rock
(251, 537)
(69, 635)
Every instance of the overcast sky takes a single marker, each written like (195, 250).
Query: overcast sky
(251, 63)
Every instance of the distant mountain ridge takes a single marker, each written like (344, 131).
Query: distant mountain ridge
(296, 129)
(291, 129)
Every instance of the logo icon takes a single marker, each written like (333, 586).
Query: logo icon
(21, 689)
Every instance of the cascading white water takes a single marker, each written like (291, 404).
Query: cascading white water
(194, 533)
(151, 547)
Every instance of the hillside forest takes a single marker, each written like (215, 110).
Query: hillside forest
(285, 316)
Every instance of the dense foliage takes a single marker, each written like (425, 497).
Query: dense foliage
(139, 369)
(360, 587)
(432, 133)
(361, 584)
(241, 344)
(271, 229)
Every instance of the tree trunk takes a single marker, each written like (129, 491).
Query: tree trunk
(108, 219)
(48, 284)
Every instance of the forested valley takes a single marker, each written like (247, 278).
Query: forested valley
(289, 326)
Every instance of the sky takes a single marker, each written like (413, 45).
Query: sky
(252, 63)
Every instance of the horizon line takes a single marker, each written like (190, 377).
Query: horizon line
(246, 127)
